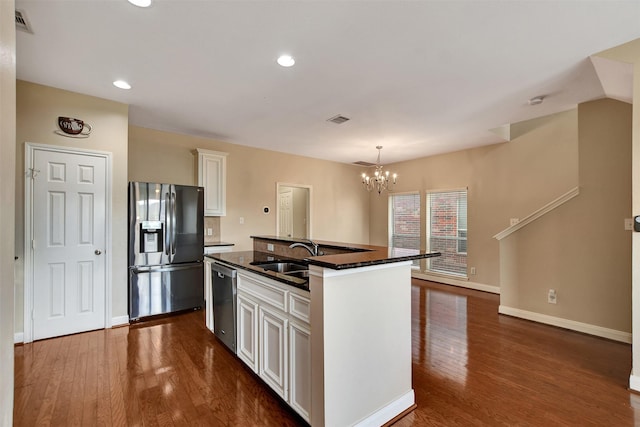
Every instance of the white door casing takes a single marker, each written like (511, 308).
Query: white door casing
(293, 215)
(67, 241)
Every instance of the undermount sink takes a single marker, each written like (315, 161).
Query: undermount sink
(302, 274)
(284, 267)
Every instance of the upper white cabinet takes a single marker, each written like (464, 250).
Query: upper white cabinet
(212, 175)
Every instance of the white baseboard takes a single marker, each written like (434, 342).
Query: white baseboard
(119, 320)
(18, 337)
(634, 382)
(456, 282)
(390, 411)
(586, 328)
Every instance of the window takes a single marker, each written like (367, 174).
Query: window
(404, 221)
(447, 231)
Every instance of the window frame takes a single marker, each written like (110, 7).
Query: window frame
(391, 224)
(428, 230)
(465, 229)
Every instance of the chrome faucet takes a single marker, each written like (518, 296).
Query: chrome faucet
(312, 250)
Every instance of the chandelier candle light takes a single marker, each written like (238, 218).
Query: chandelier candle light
(380, 180)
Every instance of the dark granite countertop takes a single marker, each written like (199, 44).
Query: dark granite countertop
(208, 244)
(247, 260)
(362, 255)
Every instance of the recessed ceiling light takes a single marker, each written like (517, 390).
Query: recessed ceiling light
(140, 3)
(286, 61)
(122, 84)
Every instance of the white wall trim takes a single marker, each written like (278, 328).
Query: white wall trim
(119, 321)
(540, 212)
(18, 338)
(456, 282)
(573, 325)
(390, 411)
(634, 382)
(29, 149)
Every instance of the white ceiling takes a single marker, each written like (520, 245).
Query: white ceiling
(417, 77)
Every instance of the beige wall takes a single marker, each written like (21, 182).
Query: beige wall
(581, 249)
(509, 180)
(37, 110)
(7, 194)
(339, 205)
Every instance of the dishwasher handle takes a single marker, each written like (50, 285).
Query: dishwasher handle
(222, 270)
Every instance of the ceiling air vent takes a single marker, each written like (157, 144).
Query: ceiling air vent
(22, 23)
(338, 119)
(363, 163)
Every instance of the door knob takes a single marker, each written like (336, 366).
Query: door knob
(98, 252)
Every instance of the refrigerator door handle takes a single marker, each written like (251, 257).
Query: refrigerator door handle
(167, 234)
(173, 218)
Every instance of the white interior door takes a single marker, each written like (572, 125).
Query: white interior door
(68, 209)
(286, 213)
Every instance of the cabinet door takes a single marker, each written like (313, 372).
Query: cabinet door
(300, 369)
(273, 350)
(212, 170)
(208, 300)
(247, 338)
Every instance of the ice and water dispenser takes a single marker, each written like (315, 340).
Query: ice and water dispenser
(151, 233)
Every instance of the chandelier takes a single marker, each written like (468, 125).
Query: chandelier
(380, 180)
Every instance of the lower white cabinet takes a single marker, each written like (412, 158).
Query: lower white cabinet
(247, 330)
(273, 350)
(274, 337)
(300, 369)
(208, 295)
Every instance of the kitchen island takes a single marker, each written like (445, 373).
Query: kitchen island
(360, 327)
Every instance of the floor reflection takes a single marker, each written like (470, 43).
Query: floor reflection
(634, 402)
(442, 333)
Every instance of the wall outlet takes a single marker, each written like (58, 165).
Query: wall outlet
(552, 298)
(270, 247)
(628, 224)
(473, 271)
(209, 231)
(514, 221)
(241, 220)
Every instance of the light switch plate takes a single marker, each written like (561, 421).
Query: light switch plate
(628, 224)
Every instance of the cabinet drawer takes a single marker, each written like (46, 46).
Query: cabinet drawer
(263, 291)
(300, 307)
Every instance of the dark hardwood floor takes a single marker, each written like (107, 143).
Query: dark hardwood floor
(471, 366)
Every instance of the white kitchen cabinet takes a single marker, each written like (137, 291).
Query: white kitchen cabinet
(208, 295)
(274, 337)
(212, 175)
(217, 249)
(300, 369)
(247, 338)
(273, 350)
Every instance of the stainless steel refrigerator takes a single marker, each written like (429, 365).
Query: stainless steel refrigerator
(166, 245)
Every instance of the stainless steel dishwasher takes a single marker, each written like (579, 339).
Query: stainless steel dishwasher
(223, 280)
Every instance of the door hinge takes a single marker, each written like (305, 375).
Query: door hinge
(33, 243)
(33, 172)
